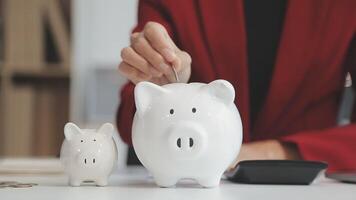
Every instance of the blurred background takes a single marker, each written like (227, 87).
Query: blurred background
(58, 63)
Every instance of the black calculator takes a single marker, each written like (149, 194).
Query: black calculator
(291, 172)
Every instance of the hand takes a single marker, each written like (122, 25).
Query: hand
(267, 150)
(151, 56)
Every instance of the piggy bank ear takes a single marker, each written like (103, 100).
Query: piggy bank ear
(71, 129)
(222, 90)
(106, 129)
(144, 93)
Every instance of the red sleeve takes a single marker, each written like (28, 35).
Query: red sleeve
(148, 10)
(153, 10)
(337, 146)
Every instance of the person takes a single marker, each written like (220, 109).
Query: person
(286, 59)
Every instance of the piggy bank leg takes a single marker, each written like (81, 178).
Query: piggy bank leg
(73, 181)
(165, 181)
(102, 182)
(209, 182)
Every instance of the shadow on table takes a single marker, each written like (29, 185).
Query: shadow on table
(186, 183)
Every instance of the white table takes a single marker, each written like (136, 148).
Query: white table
(135, 183)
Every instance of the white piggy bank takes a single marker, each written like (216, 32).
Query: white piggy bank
(189, 131)
(88, 154)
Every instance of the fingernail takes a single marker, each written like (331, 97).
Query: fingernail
(168, 54)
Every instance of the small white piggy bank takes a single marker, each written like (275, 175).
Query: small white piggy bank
(88, 154)
(191, 131)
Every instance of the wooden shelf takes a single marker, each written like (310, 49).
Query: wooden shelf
(43, 73)
(34, 98)
(47, 71)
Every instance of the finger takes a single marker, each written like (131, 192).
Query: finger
(143, 48)
(134, 36)
(131, 57)
(183, 59)
(132, 73)
(158, 37)
(160, 81)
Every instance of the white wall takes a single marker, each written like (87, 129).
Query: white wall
(101, 28)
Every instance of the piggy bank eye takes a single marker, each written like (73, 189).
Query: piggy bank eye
(94, 140)
(81, 140)
(194, 110)
(171, 111)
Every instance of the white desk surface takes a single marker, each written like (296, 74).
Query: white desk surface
(135, 183)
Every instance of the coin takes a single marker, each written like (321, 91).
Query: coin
(15, 184)
(21, 185)
(8, 182)
(175, 74)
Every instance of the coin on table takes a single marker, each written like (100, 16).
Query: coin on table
(5, 184)
(8, 182)
(21, 185)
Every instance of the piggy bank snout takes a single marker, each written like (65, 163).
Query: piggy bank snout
(186, 140)
(88, 159)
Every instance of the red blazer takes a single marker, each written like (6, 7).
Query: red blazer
(317, 49)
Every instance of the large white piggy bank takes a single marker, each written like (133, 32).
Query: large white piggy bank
(189, 131)
(88, 154)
